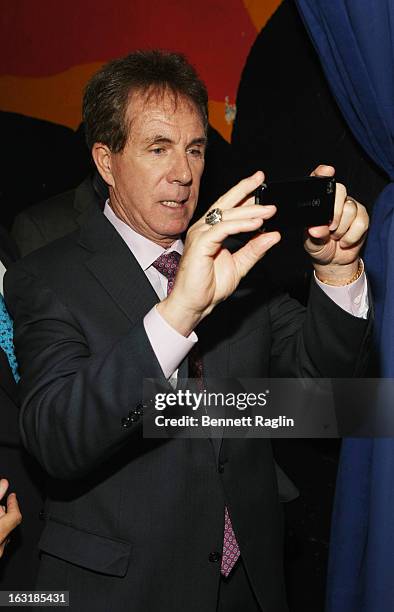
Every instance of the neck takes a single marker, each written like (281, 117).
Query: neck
(164, 241)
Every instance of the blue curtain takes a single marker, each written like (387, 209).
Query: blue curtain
(354, 39)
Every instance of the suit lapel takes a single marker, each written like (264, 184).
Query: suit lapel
(116, 268)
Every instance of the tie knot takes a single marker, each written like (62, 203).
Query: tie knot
(167, 264)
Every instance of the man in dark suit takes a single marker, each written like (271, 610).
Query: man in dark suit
(185, 524)
(19, 472)
(47, 221)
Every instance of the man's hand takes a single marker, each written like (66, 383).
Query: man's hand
(208, 273)
(10, 516)
(335, 249)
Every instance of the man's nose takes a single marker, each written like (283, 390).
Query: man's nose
(180, 170)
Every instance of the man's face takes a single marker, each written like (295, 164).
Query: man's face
(156, 178)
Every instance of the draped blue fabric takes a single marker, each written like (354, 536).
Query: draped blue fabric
(355, 42)
(6, 338)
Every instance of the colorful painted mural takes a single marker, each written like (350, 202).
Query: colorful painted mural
(48, 50)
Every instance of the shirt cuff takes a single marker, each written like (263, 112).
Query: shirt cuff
(169, 346)
(352, 298)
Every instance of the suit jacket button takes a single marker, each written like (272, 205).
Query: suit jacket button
(214, 557)
(221, 468)
(126, 422)
(41, 515)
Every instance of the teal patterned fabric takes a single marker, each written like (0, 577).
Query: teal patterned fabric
(6, 333)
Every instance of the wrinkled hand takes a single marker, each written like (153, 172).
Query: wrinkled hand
(10, 516)
(335, 249)
(208, 273)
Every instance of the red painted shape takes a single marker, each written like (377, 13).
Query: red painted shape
(45, 38)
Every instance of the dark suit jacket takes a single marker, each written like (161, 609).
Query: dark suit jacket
(131, 522)
(58, 216)
(19, 566)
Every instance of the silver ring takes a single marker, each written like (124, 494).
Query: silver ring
(214, 216)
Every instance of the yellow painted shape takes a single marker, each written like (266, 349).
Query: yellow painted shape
(55, 98)
(58, 98)
(260, 11)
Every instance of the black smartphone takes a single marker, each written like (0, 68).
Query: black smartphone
(300, 203)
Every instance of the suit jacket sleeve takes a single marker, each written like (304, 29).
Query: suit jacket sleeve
(73, 403)
(324, 341)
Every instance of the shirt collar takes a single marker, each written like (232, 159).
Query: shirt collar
(144, 250)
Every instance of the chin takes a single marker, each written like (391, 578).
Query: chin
(176, 226)
(175, 230)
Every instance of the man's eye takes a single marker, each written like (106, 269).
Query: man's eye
(158, 150)
(196, 152)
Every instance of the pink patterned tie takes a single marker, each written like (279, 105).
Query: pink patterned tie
(167, 264)
(231, 550)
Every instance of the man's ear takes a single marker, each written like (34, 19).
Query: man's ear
(102, 158)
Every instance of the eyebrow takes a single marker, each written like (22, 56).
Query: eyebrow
(199, 141)
(160, 139)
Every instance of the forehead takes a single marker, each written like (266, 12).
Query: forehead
(163, 111)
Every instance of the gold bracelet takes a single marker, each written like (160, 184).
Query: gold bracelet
(355, 276)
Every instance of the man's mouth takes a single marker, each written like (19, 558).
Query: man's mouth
(174, 203)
